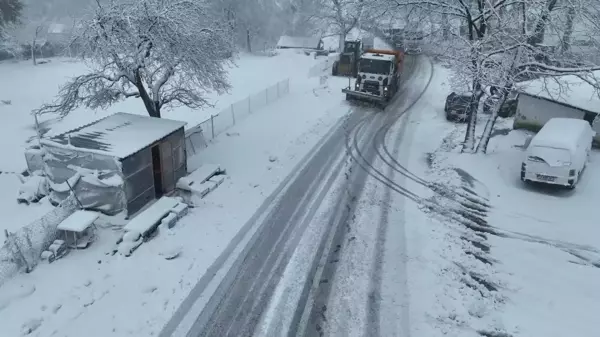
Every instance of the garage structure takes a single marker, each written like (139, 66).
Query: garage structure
(120, 162)
(568, 96)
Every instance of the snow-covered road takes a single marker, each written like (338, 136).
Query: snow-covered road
(299, 261)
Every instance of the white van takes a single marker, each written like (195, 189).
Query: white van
(558, 153)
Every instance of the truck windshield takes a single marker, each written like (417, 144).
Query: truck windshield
(374, 66)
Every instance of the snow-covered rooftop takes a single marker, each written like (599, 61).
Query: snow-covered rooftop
(119, 135)
(569, 90)
(307, 42)
(78, 221)
(372, 56)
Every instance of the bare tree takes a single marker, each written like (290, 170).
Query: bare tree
(10, 14)
(341, 16)
(34, 43)
(10, 11)
(302, 11)
(165, 52)
(255, 23)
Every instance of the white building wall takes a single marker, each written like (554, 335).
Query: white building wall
(533, 113)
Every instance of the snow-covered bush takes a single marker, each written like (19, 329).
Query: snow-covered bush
(34, 188)
(22, 250)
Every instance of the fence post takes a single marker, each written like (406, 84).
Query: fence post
(232, 114)
(212, 125)
(278, 93)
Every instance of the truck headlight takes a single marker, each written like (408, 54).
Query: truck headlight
(356, 85)
(385, 88)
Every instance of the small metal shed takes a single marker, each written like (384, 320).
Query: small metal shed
(147, 153)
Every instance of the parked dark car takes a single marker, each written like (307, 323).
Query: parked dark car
(457, 105)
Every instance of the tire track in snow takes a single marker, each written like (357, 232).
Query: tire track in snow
(374, 300)
(362, 166)
(238, 306)
(178, 324)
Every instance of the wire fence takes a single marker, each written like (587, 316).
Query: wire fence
(323, 66)
(22, 249)
(196, 136)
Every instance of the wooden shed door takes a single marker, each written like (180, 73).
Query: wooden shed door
(168, 176)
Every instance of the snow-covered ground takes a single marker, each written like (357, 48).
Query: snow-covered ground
(27, 87)
(530, 268)
(545, 243)
(523, 261)
(97, 293)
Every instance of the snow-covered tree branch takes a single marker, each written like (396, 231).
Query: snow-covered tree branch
(500, 43)
(10, 13)
(341, 16)
(165, 52)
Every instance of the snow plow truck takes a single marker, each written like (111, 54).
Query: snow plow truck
(378, 76)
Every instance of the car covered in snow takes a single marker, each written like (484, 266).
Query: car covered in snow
(558, 153)
(457, 104)
(457, 107)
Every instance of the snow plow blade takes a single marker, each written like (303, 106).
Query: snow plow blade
(363, 96)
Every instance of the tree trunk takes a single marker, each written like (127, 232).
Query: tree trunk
(489, 125)
(469, 143)
(568, 33)
(342, 39)
(33, 53)
(248, 43)
(34, 44)
(487, 133)
(445, 26)
(153, 108)
(540, 27)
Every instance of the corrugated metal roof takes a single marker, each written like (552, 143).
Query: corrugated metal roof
(119, 135)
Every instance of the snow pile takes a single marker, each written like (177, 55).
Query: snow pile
(33, 189)
(324, 66)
